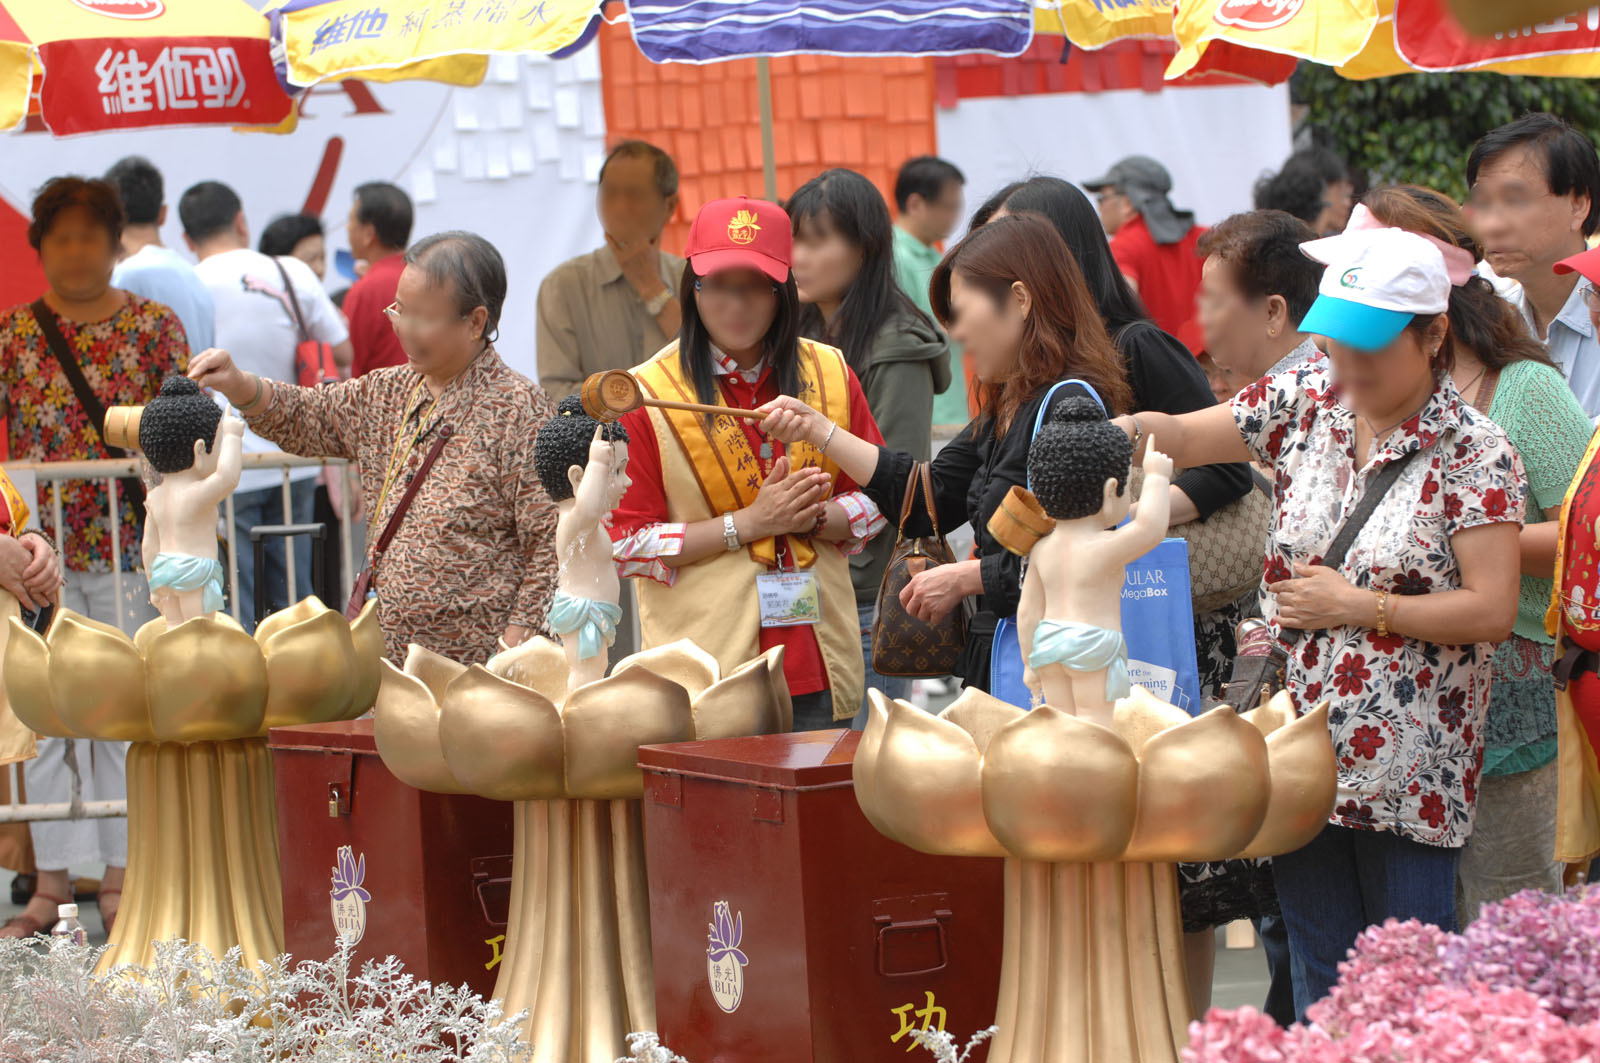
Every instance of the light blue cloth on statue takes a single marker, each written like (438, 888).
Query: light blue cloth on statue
(185, 572)
(1083, 648)
(595, 622)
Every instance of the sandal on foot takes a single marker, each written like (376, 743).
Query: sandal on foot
(25, 925)
(108, 921)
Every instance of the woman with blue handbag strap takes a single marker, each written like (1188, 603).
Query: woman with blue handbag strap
(1012, 295)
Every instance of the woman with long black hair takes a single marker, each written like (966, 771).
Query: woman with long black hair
(739, 542)
(844, 269)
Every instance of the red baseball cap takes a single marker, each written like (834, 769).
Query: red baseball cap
(741, 233)
(1584, 262)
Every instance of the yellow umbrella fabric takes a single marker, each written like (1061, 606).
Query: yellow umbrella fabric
(1095, 25)
(1331, 32)
(444, 40)
(112, 64)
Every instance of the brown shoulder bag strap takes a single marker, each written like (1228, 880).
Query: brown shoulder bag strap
(392, 525)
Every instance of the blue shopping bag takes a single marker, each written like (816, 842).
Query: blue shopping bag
(1157, 622)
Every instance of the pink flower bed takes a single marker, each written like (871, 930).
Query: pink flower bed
(1521, 985)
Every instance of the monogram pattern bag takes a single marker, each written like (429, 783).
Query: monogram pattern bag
(1227, 548)
(902, 645)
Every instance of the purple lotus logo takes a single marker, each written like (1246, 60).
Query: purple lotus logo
(725, 961)
(349, 898)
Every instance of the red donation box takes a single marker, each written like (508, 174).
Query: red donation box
(421, 876)
(786, 929)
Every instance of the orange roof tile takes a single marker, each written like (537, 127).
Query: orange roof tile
(869, 114)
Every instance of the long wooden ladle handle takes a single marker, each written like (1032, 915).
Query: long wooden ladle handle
(699, 407)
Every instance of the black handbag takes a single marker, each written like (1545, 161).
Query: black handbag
(1260, 663)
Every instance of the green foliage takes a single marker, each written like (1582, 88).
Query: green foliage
(1419, 127)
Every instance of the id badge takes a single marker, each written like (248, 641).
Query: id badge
(789, 599)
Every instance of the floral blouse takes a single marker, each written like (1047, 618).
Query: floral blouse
(124, 358)
(475, 553)
(1407, 716)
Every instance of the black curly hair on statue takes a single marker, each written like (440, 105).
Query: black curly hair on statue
(173, 420)
(1075, 453)
(564, 442)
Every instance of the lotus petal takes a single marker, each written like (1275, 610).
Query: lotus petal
(607, 721)
(1141, 716)
(405, 724)
(682, 662)
(206, 682)
(435, 670)
(501, 740)
(1203, 790)
(27, 676)
(298, 613)
(538, 664)
(981, 715)
(366, 643)
(741, 704)
(928, 782)
(864, 769)
(311, 670)
(1057, 788)
(97, 680)
(780, 688)
(1272, 715)
(148, 632)
(1305, 783)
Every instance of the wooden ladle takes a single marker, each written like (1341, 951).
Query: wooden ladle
(607, 396)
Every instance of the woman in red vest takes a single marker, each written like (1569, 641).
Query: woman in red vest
(740, 543)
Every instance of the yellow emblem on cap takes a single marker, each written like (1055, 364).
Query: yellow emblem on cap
(742, 228)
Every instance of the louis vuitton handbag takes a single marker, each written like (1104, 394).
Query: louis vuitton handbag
(902, 645)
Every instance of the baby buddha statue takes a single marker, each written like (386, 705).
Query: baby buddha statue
(1069, 619)
(196, 449)
(583, 466)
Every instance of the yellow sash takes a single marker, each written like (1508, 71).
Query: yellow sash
(726, 468)
(16, 509)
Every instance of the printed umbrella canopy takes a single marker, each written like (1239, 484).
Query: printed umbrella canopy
(1376, 38)
(114, 64)
(440, 40)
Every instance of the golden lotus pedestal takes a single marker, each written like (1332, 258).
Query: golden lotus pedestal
(202, 852)
(195, 703)
(1091, 822)
(577, 952)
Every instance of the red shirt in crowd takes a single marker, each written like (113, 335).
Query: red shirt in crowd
(372, 339)
(1168, 275)
(640, 524)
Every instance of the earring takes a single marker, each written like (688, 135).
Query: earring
(1272, 332)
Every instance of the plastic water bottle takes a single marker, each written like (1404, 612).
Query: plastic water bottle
(68, 927)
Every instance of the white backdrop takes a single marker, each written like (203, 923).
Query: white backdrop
(1215, 141)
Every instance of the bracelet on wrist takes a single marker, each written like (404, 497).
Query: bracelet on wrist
(833, 426)
(1383, 614)
(822, 522)
(255, 399)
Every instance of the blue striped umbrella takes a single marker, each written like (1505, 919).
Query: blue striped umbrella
(699, 31)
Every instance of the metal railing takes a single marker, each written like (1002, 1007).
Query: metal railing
(111, 470)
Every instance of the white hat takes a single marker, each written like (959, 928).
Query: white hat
(1377, 280)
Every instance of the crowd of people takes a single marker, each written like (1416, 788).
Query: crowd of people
(1424, 372)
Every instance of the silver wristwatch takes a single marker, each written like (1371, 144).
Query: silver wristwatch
(657, 303)
(730, 534)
